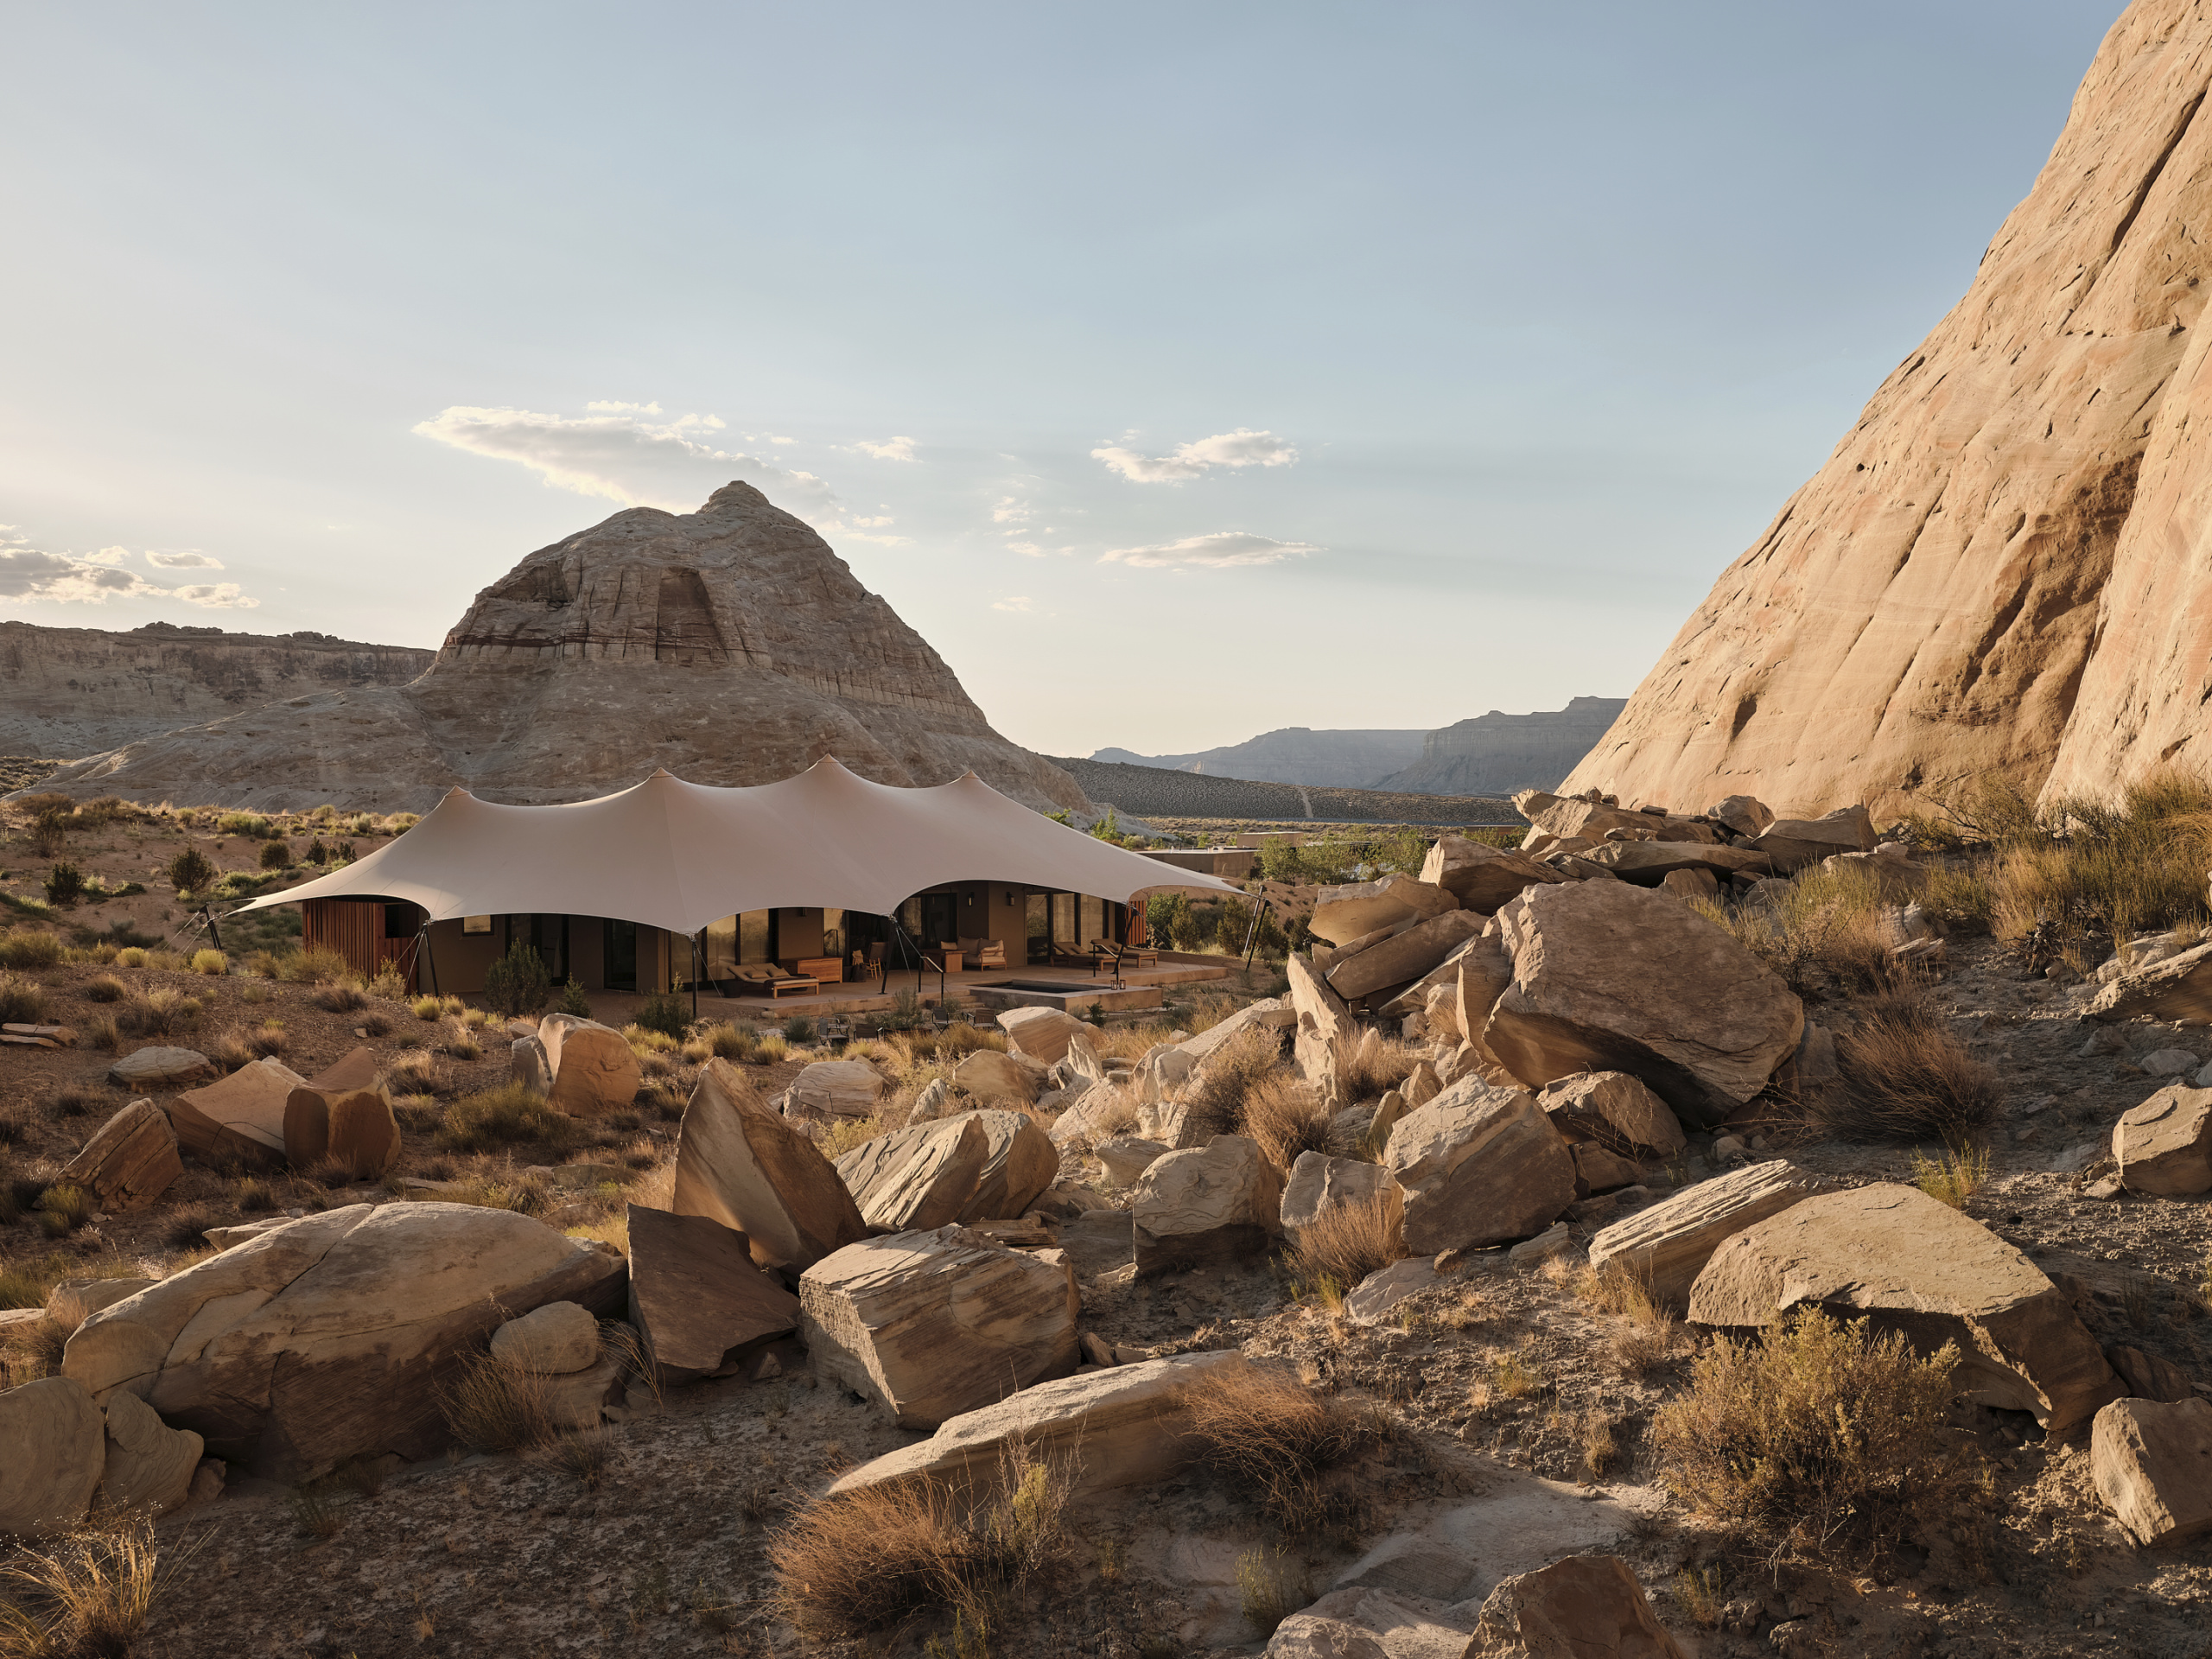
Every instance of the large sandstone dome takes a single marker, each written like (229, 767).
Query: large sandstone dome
(729, 646)
(2005, 565)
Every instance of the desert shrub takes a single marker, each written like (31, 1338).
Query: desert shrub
(65, 884)
(1284, 1116)
(1908, 1078)
(798, 1029)
(1825, 1434)
(316, 852)
(507, 1116)
(212, 964)
(249, 824)
(1823, 931)
(721, 1039)
(517, 984)
(387, 985)
(665, 1013)
(496, 1406)
(427, 1008)
(30, 948)
(1266, 1431)
(1347, 1241)
(161, 1011)
(771, 1050)
(47, 807)
(33, 1351)
(22, 1000)
(847, 1133)
(63, 1208)
(268, 1039)
(1646, 1334)
(86, 1596)
(1954, 1177)
(1219, 1090)
(645, 1042)
(230, 1049)
(1372, 1065)
(573, 1001)
(277, 855)
(417, 1072)
(315, 967)
(185, 1228)
(339, 996)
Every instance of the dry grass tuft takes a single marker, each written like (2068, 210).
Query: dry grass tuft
(34, 1350)
(1823, 931)
(105, 988)
(1373, 1064)
(1286, 1118)
(1909, 1078)
(1954, 1177)
(507, 1116)
(1225, 1080)
(1271, 1586)
(1348, 1241)
(340, 996)
(1268, 1433)
(497, 1406)
(1645, 1335)
(86, 1597)
(417, 1072)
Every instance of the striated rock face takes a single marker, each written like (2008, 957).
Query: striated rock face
(65, 692)
(1495, 754)
(2002, 567)
(729, 646)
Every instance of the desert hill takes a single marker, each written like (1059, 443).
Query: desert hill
(730, 646)
(1497, 753)
(1293, 754)
(2003, 566)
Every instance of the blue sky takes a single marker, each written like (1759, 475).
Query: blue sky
(1178, 371)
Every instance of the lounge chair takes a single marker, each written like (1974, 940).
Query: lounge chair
(984, 953)
(766, 977)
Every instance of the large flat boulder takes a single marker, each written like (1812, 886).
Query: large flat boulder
(595, 1071)
(1403, 956)
(988, 1075)
(836, 1089)
(1479, 1165)
(1269, 1013)
(1041, 1033)
(1667, 1246)
(160, 1066)
(1125, 1425)
(1219, 1202)
(1610, 977)
(1019, 1161)
(1482, 877)
(52, 1452)
(147, 1466)
(1319, 1184)
(1614, 1109)
(1648, 863)
(241, 1117)
(2151, 1462)
(1571, 817)
(2164, 1146)
(927, 1325)
(1794, 843)
(2178, 989)
(331, 1337)
(1342, 914)
(917, 1179)
(129, 1160)
(1584, 1607)
(1360, 1622)
(696, 1297)
(1916, 1265)
(740, 1163)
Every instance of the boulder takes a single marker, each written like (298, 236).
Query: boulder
(579, 1399)
(1794, 843)
(1610, 977)
(1373, 1298)
(549, 1341)
(1097, 1113)
(1890, 866)
(2151, 1462)
(2148, 1376)
(917, 1179)
(351, 1129)
(1690, 884)
(934, 1103)
(1162, 1071)
(1019, 1161)
(835, 1089)
(1584, 1607)
(926, 1326)
(1421, 1085)
(1422, 996)
(1571, 817)
(1082, 1060)
(1041, 1033)
(1098, 1241)
(1599, 1169)
(2178, 989)
(594, 1069)
(1613, 1109)
(1479, 1165)
(1324, 1024)
(2164, 1146)
(528, 1065)
(988, 1075)
(241, 1118)
(1402, 955)
(1319, 1184)
(129, 1160)
(74, 1301)
(1667, 1246)
(1647, 863)
(1360, 1622)
(52, 1452)
(160, 1067)
(698, 1300)
(1271, 1014)
(1481, 877)
(1915, 1265)
(742, 1164)
(1217, 1202)
(331, 1337)
(1126, 1157)
(1342, 914)
(148, 1466)
(1745, 815)
(1126, 1427)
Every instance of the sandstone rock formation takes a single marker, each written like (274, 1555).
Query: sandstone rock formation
(131, 1160)
(1216, 1202)
(1478, 1165)
(2152, 1464)
(729, 646)
(696, 1296)
(917, 1179)
(742, 1165)
(1666, 1247)
(2003, 566)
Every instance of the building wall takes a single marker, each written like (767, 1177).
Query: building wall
(458, 961)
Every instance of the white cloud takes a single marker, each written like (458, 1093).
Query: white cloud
(1222, 549)
(192, 559)
(1011, 510)
(873, 523)
(627, 460)
(623, 409)
(1020, 602)
(215, 595)
(896, 449)
(29, 576)
(108, 556)
(850, 530)
(1027, 550)
(1242, 447)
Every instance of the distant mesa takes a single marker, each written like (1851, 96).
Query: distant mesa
(1295, 754)
(729, 646)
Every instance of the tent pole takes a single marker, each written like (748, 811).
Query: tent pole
(696, 937)
(1252, 934)
(430, 961)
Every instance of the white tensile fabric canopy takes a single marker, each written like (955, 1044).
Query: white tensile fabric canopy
(677, 856)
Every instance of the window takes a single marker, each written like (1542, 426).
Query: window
(756, 937)
(721, 948)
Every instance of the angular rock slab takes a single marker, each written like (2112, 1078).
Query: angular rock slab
(1648, 863)
(988, 1075)
(52, 1452)
(1580, 1608)
(2151, 1462)
(1041, 1033)
(331, 1337)
(74, 1301)
(1610, 977)
(917, 1179)
(1324, 1025)
(1916, 1265)
(1613, 1108)
(927, 1325)
(240, 1117)
(696, 1297)
(836, 1089)
(1363, 1624)
(1345, 913)
(2180, 990)
(1128, 1156)
(1019, 1161)
(1125, 1427)
(553, 1340)
(1402, 956)
(528, 1066)
(1793, 844)
(1667, 1246)
(353, 1128)
(1219, 1202)
(1482, 877)
(148, 1466)
(2164, 1146)
(740, 1163)
(1479, 1165)
(595, 1071)
(1319, 1184)
(129, 1160)
(1373, 1298)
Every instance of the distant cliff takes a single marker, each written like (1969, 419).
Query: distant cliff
(1296, 754)
(67, 692)
(1495, 754)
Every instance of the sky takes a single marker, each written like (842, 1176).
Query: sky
(1179, 372)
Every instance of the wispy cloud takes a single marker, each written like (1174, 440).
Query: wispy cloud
(1011, 510)
(30, 575)
(1222, 549)
(1027, 550)
(1019, 602)
(894, 449)
(190, 559)
(625, 458)
(623, 409)
(215, 595)
(1242, 447)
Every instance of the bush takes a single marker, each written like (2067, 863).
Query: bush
(505, 1116)
(33, 947)
(316, 852)
(65, 884)
(1825, 1434)
(252, 826)
(191, 870)
(1347, 1241)
(771, 1050)
(1907, 1078)
(518, 983)
(277, 855)
(427, 1009)
(22, 1000)
(312, 967)
(665, 1013)
(496, 1406)
(87, 1595)
(161, 1011)
(723, 1040)
(1267, 1432)
(213, 963)
(573, 1001)
(129, 957)
(340, 996)
(1217, 1092)
(798, 1029)
(1286, 1118)
(1823, 931)
(1373, 1064)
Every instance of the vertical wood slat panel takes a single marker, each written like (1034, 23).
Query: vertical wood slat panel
(355, 931)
